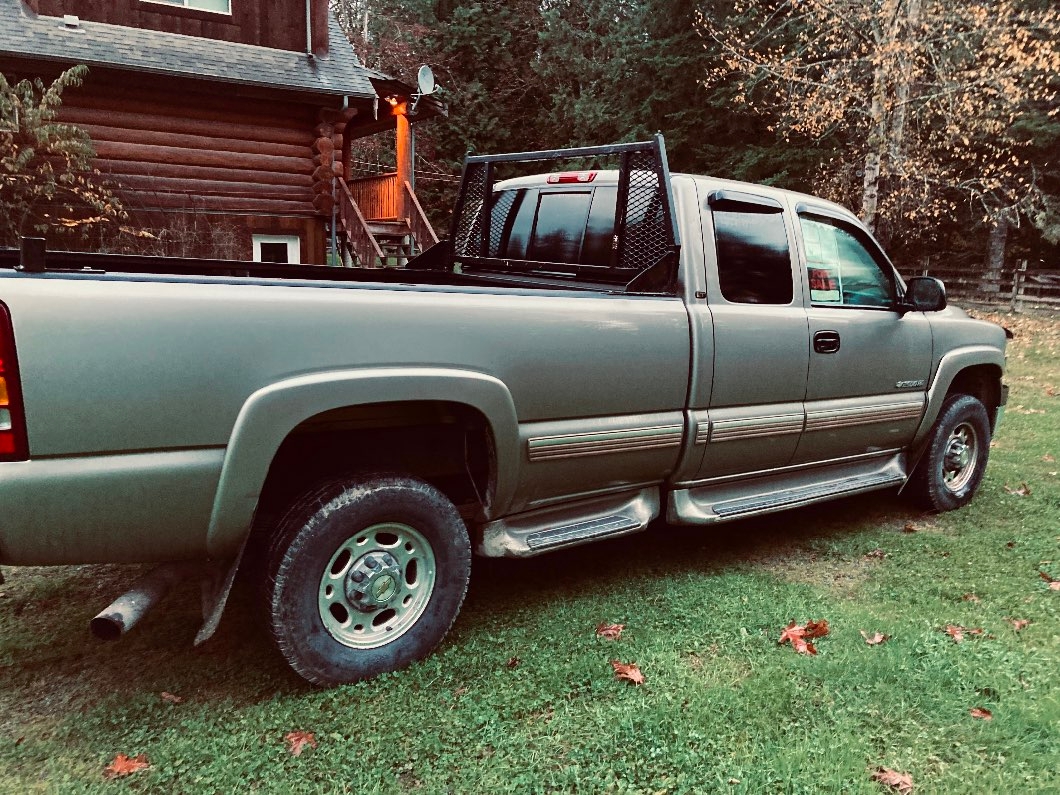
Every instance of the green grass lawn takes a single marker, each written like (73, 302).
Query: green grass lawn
(522, 696)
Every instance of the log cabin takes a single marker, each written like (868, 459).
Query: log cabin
(233, 121)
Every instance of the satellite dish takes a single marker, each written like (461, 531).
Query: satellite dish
(425, 80)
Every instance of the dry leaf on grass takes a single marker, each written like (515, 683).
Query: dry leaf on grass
(169, 698)
(628, 672)
(126, 766)
(513, 662)
(981, 713)
(874, 640)
(909, 527)
(1047, 458)
(297, 742)
(609, 631)
(876, 554)
(1023, 491)
(902, 782)
(1019, 623)
(1054, 585)
(799, 636)
(971, 597)
(957, 632)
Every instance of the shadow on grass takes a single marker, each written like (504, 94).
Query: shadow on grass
(51, 666)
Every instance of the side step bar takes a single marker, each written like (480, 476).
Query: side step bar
(722, 502)
(535, 532)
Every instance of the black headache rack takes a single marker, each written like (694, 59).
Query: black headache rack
(645, 244)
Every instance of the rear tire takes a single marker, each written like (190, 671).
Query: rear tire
(365, 576)
(952, 468)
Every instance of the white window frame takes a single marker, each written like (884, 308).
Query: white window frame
(190, 4)
(294, 246)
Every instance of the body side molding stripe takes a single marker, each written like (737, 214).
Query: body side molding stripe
(546, 448)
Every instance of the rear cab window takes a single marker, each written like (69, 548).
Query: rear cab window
(547, 224)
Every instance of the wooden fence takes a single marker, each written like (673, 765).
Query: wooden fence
(1015, 288)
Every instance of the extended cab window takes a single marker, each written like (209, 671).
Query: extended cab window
(754, 261)
(843, 269)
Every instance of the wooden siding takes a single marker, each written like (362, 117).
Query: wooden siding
(269, 23)
(174, 153)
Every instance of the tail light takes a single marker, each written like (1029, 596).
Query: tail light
(13, 445)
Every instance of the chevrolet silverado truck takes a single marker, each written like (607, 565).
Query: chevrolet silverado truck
(590, 350)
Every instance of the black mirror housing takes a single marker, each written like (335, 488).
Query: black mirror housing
(924, 294)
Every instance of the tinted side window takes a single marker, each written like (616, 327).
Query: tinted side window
(754, 261)
(842, 268)
(600, 231)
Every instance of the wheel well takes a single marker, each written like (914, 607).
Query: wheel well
(446, 444)
(982, 382)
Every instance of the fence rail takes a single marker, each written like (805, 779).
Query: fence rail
(378, 197)
(1016, 287)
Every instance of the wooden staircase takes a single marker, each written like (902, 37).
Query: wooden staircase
(381, 223)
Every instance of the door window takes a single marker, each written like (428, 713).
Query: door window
(843, 269)
(754, 261)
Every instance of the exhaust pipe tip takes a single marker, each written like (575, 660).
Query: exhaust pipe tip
(107, 627)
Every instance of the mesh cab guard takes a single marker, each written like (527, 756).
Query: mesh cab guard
(646, 241)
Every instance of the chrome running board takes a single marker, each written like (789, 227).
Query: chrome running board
(722, 502)
(544, 530)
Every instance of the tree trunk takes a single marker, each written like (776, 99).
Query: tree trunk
(995, 256)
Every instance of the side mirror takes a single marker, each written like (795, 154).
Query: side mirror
(923, 294)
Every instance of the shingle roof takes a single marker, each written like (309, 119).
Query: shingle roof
(27, 35)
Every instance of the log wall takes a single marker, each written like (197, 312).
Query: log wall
(244, 162)
(269, 23)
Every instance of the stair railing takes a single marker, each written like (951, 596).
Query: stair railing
(423, 235)
(361, 241)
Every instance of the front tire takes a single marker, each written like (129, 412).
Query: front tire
(952, 468)
(365, 576)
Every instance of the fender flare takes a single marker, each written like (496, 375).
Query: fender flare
(949, 367)
(271, 413)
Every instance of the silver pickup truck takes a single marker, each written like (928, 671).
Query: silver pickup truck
(591, 349)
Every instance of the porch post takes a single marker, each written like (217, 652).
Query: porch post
(404, 160)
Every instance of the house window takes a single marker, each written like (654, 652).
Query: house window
(220, 6)
(281, 249)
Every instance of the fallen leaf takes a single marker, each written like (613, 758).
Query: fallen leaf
(169, 698)
(1019, 623)
(981, 713)
(816, 629)
(909, 527)
(1054, 585)
(609, 631)
(297, 742)
(955, 632)
(513, 662)
(798, 635)
(902, 782)
(1023, 491)
(971, 597)
(125, 766)
(876, 554)
(1047, 458)
(628, 672)
(874, 640)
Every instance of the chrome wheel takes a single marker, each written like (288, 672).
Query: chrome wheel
(376, 585)
(960, 457)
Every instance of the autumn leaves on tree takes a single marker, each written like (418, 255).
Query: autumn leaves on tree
(918, 99)
(47, 182)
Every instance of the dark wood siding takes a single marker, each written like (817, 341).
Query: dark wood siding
(171, 152)
(280, 24)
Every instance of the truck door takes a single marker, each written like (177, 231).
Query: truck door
(869, 365)
(755, 396)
